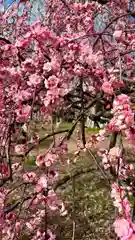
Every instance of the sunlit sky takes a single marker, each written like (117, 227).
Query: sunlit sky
(8, 2)
(36, 9)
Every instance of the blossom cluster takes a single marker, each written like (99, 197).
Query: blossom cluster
(124, 227)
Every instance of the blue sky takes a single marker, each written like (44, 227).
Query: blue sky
(37, 9)
(38, 4)
(7, 2)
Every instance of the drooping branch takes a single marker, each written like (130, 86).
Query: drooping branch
(110, 23)
(92, 103)
(113, 140)
(83, 116)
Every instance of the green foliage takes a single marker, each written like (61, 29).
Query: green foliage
(95, 130)
(30, 160)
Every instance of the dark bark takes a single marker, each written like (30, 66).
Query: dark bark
(83, 116)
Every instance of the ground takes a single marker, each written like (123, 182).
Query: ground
(92, 207)
(93, 211)
(86, 195)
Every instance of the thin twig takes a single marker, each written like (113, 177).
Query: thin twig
(97, 164)
(82, 119)
(68, 177)
(44, 138)
(73, 209)
(8, 158)
(109, 24)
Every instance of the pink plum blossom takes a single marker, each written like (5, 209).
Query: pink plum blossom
(47, 159)
(133, 44)
(21, 96)
(51, 82)
(52, 200)
(114, 154)
(123, 229)
(23, 113)
(132, 237)
(34, 80)
(4, 169)
(18, 226)
(120, 100)
(117, 34)
(29, 66)
(29, 177)
(130, 133)
(107, 88)
(47, 67)
(42, 183)
(20, 149)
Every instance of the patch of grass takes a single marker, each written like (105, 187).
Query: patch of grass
(30, 160)
(93, 130)
(65, 125)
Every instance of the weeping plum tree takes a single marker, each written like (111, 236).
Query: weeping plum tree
(61, 62)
